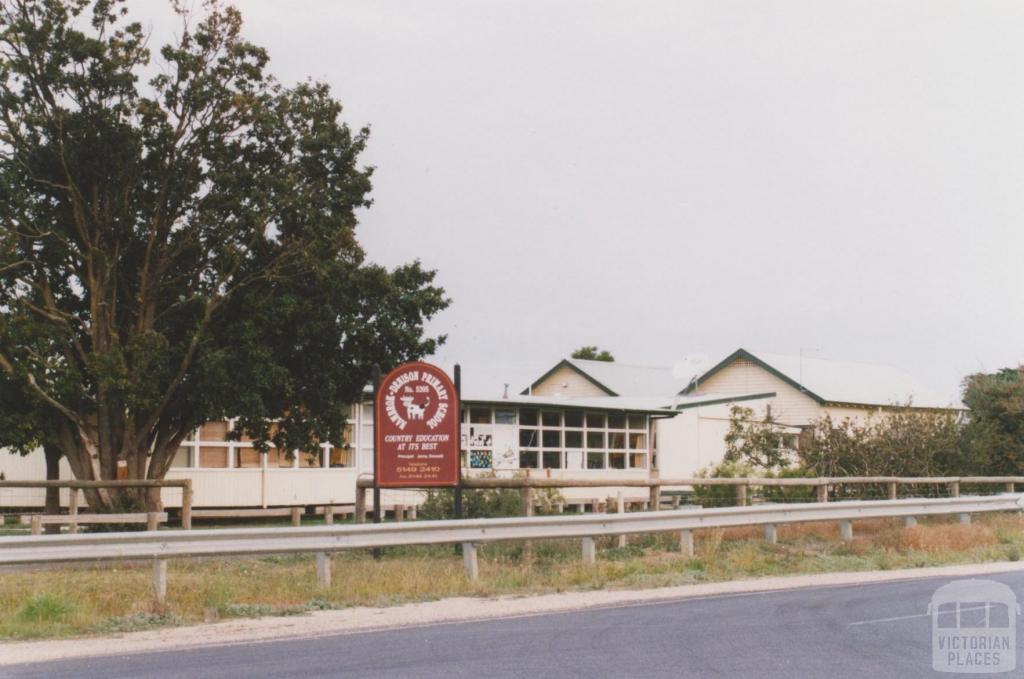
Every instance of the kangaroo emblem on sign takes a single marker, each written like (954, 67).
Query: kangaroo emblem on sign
(413, 411)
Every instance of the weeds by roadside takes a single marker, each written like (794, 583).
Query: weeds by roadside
(82, 601)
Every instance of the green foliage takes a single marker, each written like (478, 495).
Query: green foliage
(760, 444)
(592, 353)
(487, 503)
(995, 428)
(896, 442)
(720, 496)
(177, 243)
(46, 609)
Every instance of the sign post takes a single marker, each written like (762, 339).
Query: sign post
(458, 438)
(416, 429)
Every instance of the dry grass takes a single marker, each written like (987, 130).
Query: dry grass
(79, 601)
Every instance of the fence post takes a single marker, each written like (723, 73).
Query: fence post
(73, 509)
(846, 530)
(323, 569)
(1010, 488)
(152, 521)
(360, 509)
(770, 535)
(589, 550)
(620, 508)
(328, 515)
(160, 580)
(655, 498)
(741, 495)
(296, 517)
(686, 542)
(37, 525)
(186, 505)
(892, 488)
(822, 492)
(399, 513)
(675, 502)
(954, 488)
(469, 560)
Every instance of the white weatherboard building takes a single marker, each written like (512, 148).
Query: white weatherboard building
(581, 419)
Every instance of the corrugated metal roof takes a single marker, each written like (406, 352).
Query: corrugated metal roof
(633, 380)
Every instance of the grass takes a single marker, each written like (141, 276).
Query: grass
(85, 601)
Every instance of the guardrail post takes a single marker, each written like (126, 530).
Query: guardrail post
(37, 525)
(160, 580)
(360, 509)
(965, 519)
(954, 488)
(152, 521)
(741, 495)
(526, 509)
(469, 560)
(846, 530)
(296, 517)
(686, 542)
(909, 521)
(323, 569)
(620, 508)
(891, 487)
(186, 505)
(823, 492)
(589, 550)
(770, 535)
(72, 509)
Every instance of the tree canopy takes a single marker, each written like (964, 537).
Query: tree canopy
(592, 353)
(995, 423)
(177, 243)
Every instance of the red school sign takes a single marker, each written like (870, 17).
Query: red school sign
(417, 422)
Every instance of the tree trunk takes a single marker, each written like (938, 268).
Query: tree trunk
(53, 455)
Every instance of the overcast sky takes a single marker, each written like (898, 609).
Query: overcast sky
(673, 178)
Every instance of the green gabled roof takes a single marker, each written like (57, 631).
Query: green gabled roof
(565, 363)
(744, 354)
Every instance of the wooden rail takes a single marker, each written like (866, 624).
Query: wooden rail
(74, 485)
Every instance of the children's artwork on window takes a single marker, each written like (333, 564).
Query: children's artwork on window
(480, 459)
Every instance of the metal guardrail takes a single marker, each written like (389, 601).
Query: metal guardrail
(325, 539)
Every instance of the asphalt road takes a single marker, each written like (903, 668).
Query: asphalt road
(878, 631)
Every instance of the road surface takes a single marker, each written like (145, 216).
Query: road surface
(876, 630)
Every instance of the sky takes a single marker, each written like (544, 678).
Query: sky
(672, 179)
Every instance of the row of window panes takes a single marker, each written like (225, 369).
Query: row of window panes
(245, 457)
(571, 419)
(553, 438)
(556, 459)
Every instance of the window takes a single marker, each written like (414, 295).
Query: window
(527, 459)
(481, 459)
(573, 418)
(528, 438)
(552, 438)
(616, 421)
(213, 457)
(550, 419)
(595, 460)
(616, 460)
(248, 457)
(528, 417)
(595, 420)
(504, 416)
(637, 461)
(182, 457)
(480, 415)
(638, 422)
(617, 440)
(342, 457)
(278, 457)
(573, 439)
(595, 439)
(311, 460)
(214, 431)
(552, 459)
(637, 441)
